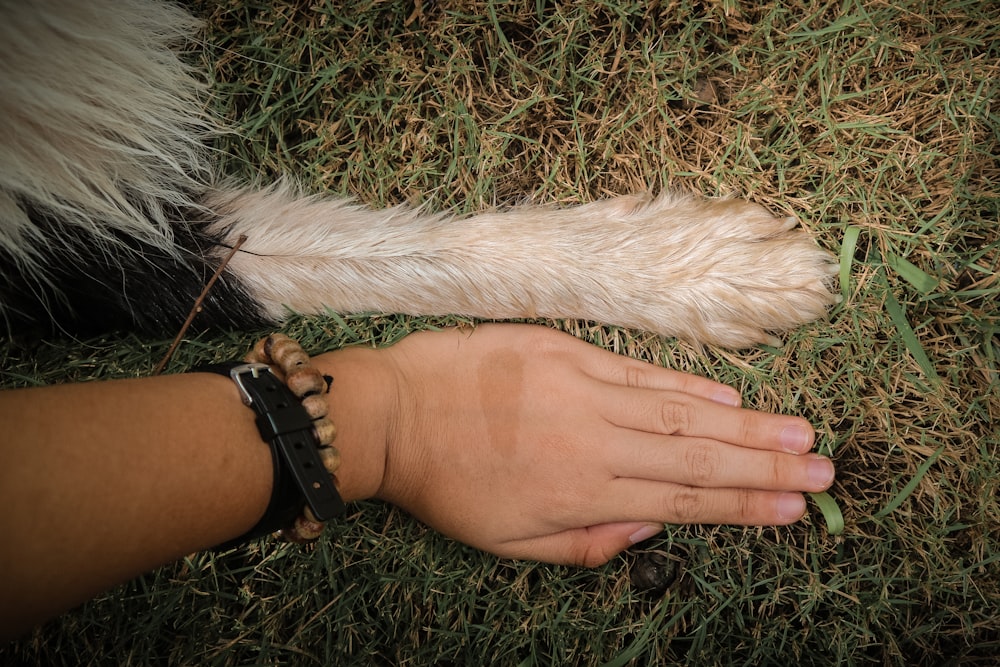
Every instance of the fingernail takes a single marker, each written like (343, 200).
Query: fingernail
(820, 471)
(791, 506)
(727, 397)
(645, 533)
(795, 439)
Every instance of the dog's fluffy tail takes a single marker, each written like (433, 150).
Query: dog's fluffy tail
(102, 150)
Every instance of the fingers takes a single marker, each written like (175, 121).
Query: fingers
(703, 462)
(595, 545)
(677, 413)
(678, 504)
(660, 400)
(623, 371)
(584, 547)
(608, 367)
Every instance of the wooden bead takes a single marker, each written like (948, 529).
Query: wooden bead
(307, 515)
(303, 531)
(326, 432)
(305, 381)
(316, 406)
(286, 353)
(330, 457)
(272, 340)
(307, 526)
(257, 355)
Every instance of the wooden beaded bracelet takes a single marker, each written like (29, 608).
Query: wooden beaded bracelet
(309, 386)
(292, 418)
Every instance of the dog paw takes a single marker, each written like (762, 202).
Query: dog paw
(725, 271)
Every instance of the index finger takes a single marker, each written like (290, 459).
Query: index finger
(670, 412)
(616, 369)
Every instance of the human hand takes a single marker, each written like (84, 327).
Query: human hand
(528, 443)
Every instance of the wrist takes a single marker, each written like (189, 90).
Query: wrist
(361, 401)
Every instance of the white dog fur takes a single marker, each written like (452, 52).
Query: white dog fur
(104, 138)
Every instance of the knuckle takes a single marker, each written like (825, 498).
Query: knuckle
(747, 428)
(675, 417)
(543, 343)
(688, 506)
(703, 464)
(593, 556)
(744, 506)
(777, 473)
(634, 377)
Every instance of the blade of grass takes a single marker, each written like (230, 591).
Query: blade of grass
(641, 641)
(923, 282)
(910, 340)
(847, 249)
(910, 486)
(831, 512)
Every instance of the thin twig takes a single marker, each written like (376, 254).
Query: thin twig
(197, 305)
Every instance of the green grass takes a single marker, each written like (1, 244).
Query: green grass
(871, 121)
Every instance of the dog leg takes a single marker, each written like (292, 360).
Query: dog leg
(722, 272)
(101, 217)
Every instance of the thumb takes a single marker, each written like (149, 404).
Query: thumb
(586, 547)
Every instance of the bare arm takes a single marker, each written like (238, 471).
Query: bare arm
(102, 481)
(515, 439)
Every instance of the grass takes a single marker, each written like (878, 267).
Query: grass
(874, 122)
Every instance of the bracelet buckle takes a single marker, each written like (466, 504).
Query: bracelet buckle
(237, 373)
(285, 425)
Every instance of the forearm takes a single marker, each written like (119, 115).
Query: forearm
(100, 482)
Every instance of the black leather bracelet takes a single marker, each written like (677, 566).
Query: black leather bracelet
(299, 475)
